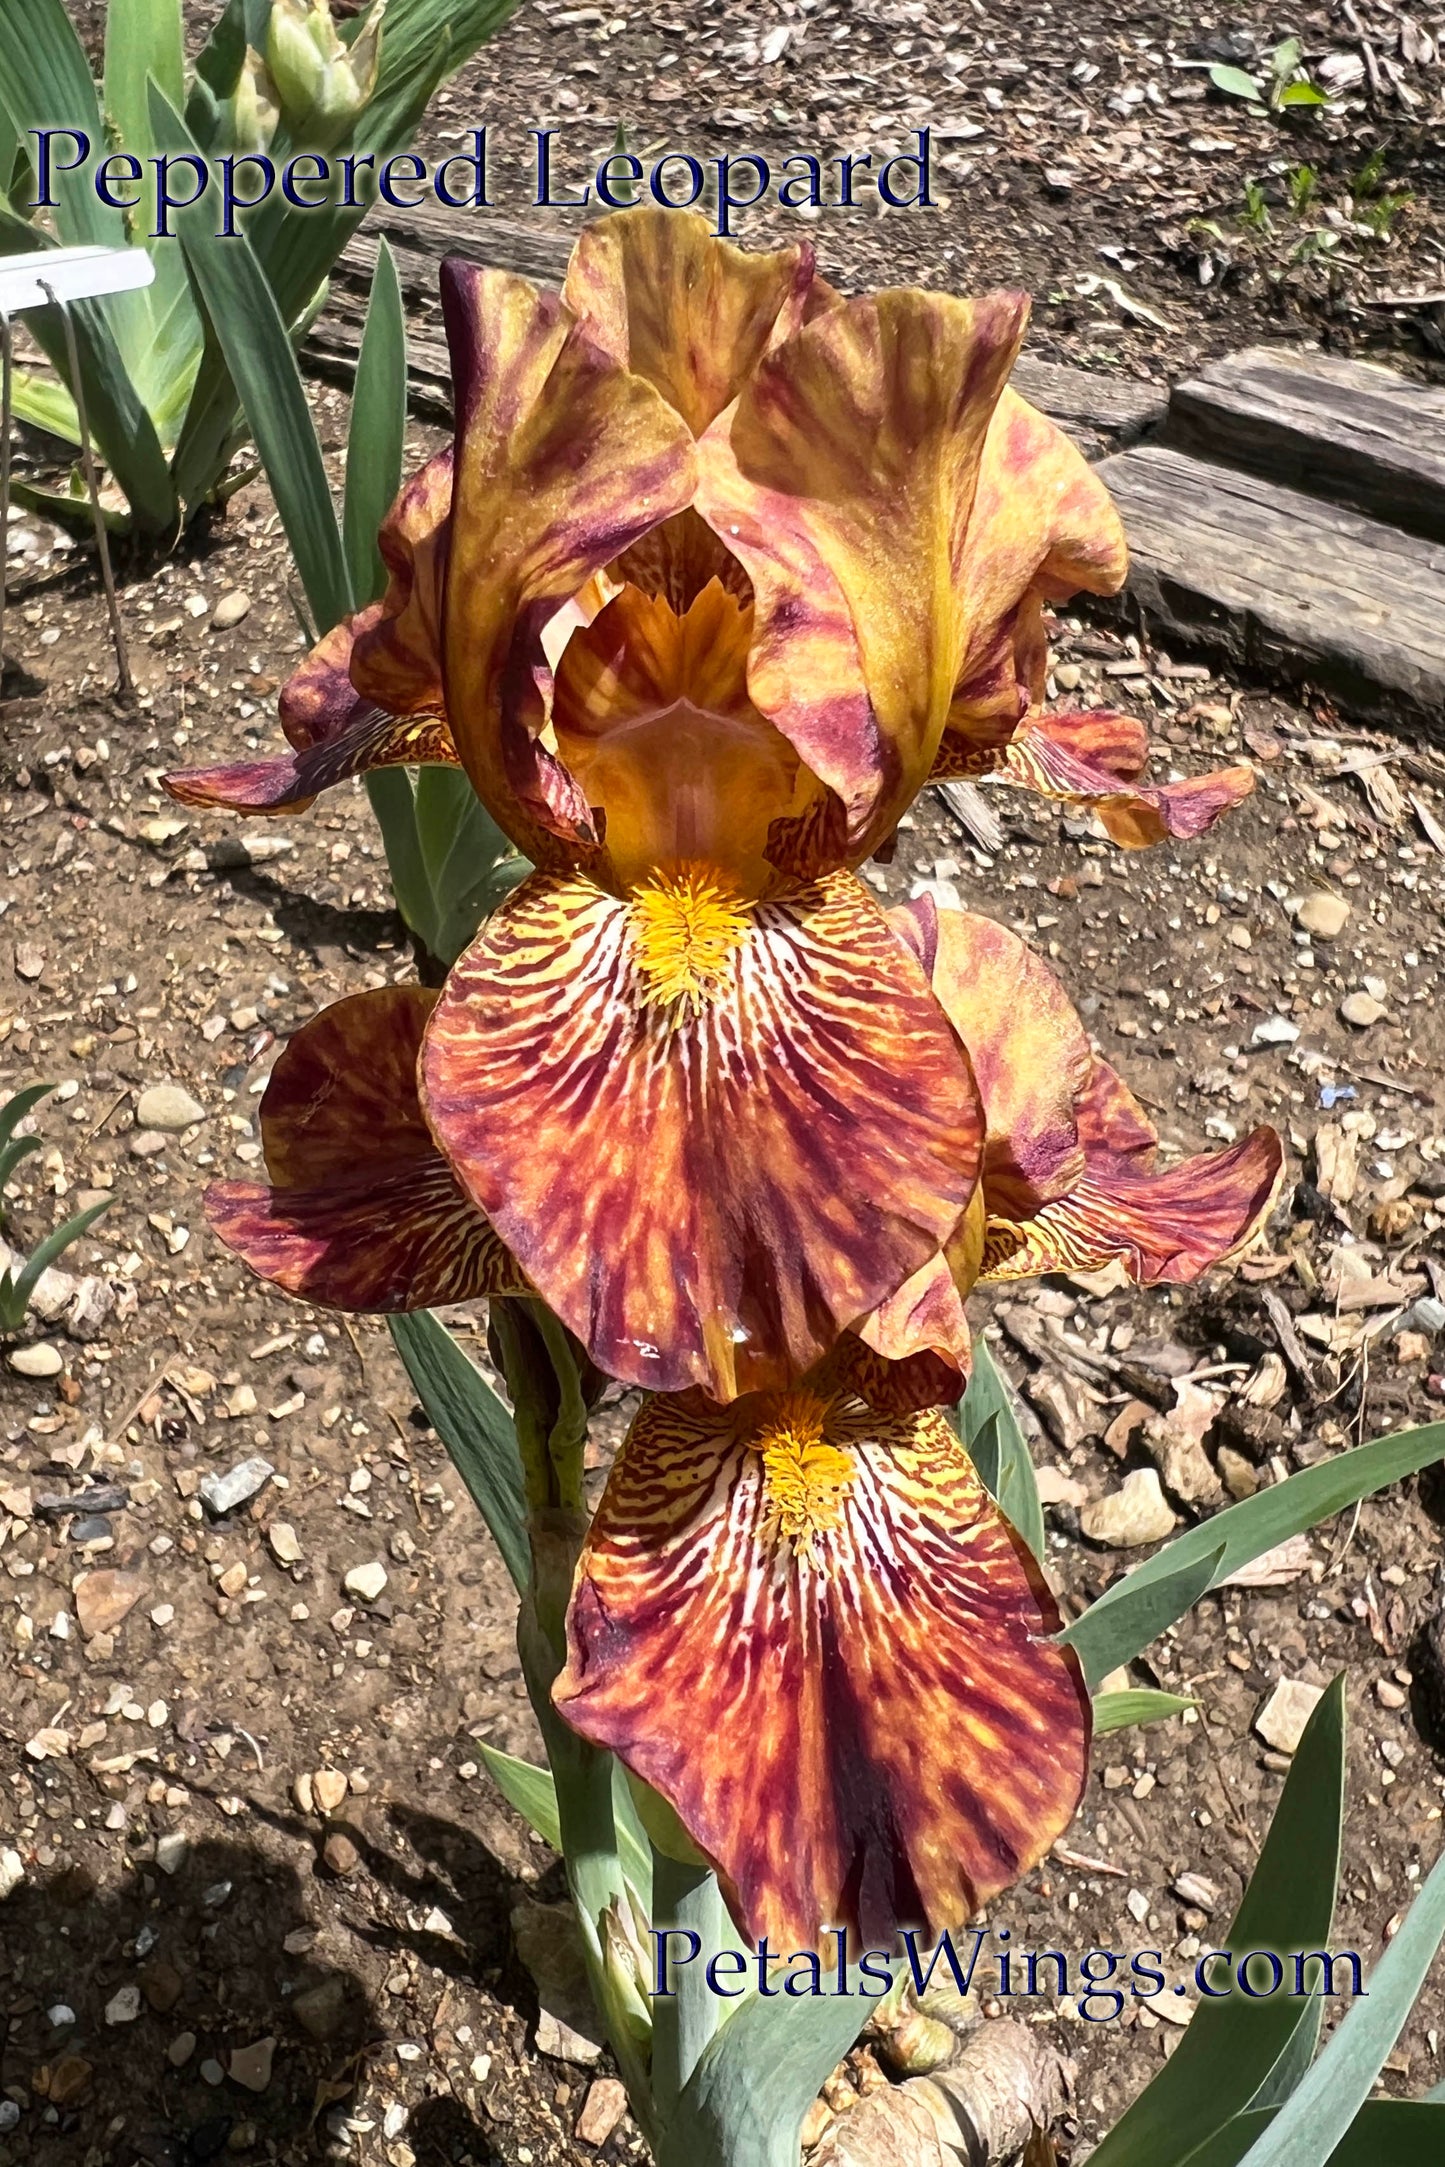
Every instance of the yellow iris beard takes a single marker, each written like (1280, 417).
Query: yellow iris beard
(805, 1479)
(686, 924)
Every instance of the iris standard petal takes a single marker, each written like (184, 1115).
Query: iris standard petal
(564, 459)
(810, 1628)
(844, 479)
(713, 1132)
(666, 298)
(363, 1212)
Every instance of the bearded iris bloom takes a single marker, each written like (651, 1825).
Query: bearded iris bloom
(720, 569)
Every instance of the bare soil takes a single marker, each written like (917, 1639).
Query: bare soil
(140, 945)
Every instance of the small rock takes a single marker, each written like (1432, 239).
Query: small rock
(1275, 1031)
(161, 1985)
(171, 1850)
(1281, 1721)
(39, 1360)
(339, 1853)
(251, 2066)
(12, 1873)
(9, 2115)
(1411, 1347)
(1135, 1513)
(1057, 1488)
(230, 610)
(211, 2071)
(1361, 1010)
(328, 1788)
(1240, 1476)
(167, 1107)
(104, 1600)
(1196, 1890)
(321, 2009)
(29, 960)
(180, 2050)
(1323, 915)
(366, 1582)
(123, 2006)
(69, 2080)
(222, 1494)
(285, 1542)
(602, 2110)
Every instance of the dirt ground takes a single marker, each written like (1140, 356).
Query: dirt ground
(181, 1905)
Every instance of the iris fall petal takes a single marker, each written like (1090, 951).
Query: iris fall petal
(363, 1212)
(809, 1627)
(707, 1190)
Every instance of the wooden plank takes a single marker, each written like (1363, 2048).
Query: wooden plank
(1348, 431)
(1117, 408)
(1286, 584)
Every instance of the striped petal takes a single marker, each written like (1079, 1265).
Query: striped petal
(369, 693)
(363, 1213)
(844, 478)
(1043, 527)
(812, 1631)
(663, 296)
(291, 781)
(1087, 756)
(564, 459)
(1069, 1179)
(705, 1190)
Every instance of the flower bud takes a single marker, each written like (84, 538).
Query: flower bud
(325, 85)
(249, 118)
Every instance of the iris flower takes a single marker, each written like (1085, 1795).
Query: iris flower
(720, 568)
(811, 1583)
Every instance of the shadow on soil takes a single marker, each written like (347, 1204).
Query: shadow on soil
(103, 1993)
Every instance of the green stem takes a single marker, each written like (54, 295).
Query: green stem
(685, 2020)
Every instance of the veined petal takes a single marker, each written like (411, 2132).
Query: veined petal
(364, 1212)
(844, 479)
(706, 1186)
(1043, 527)
(397, 660)
(652, 717)
(810, 1629)
(289, 782)
(666, 298)
(564, 459)
(1086, 756)
(1069, 1180)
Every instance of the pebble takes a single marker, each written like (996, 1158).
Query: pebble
(339, 1853)
(222, 1494)
(328, 1789)
(1275, 1031)
(602, 2110)
(1196, 1890)
(1281, 1721)
(123, 2006)
(321, 2009)
(104, 1600)
(1323, 915)
(1361, 1010)
(251, 2066)
(166, 1106)
(285, 1543)
(171, 1850)
(180, 2050)
(1136, 1513)
(9, 2115)
(12, 1873)
(39, 1360)
(1388, 1694)
(366, 1582)
(230, 610)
